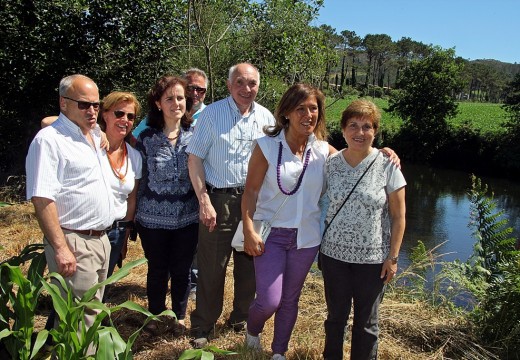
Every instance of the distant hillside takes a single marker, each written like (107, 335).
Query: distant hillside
(508, 69)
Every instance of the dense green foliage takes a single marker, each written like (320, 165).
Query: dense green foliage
(425, 101)
(126, 46)
(494, 273)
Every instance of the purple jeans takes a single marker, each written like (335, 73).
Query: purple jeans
(280, 274)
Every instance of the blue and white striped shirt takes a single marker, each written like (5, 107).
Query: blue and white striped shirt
(223, 138)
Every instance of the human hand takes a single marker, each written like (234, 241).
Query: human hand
(208, 215)
(105, 144)
(66, 261)
(388, 271)
(392, 155)
(253, 245)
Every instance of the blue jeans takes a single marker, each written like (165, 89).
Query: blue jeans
(280, 273)
(117, 240)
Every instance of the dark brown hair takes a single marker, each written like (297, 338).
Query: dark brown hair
(155, 117)
(290, 100)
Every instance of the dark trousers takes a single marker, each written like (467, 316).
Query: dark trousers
(213, 254)
(344, 283)
(169, 254)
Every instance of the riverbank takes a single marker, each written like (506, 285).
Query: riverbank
(409, 330)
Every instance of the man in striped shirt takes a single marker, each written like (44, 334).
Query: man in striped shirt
(219, 155)
(72, 199)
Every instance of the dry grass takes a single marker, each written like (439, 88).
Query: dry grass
(408, 330)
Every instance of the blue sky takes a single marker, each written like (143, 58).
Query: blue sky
(477, 29)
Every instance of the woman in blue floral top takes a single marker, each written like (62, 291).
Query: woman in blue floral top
(167, 207)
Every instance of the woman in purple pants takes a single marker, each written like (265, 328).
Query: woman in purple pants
(285, 172)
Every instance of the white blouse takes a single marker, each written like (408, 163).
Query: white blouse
(301, 209)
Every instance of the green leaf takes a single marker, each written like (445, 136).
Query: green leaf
(40, 341)
(206, 355)
(191, 354)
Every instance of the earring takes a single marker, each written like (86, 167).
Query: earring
(160, 109)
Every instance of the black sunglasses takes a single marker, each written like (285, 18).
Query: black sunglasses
(129, 116)
(198, 89)
(84, 105)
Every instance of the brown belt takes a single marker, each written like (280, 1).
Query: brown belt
(88, 232)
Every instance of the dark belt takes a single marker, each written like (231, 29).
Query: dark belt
(230, 190)
(88, 232)
(126, 224)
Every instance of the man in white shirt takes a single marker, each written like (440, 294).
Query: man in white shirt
(72, 199)
(219, 155)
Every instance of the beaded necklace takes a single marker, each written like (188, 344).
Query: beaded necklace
(300, 178)
(116, 169)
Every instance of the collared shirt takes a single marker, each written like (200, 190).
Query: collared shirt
(122, 188)
(360, 233)
(223, 138)
(166, 199)
(195, 116)
(301, 210)
(62, 166)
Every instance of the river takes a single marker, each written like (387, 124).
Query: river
(438, 209)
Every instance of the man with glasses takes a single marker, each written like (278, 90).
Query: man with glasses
(219, 155)
(72, 200)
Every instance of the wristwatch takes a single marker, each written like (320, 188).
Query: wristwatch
(393, 259)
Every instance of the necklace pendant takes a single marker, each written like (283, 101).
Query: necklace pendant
(122, 181)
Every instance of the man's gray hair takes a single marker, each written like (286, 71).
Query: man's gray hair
(196, 71)
(67, 82)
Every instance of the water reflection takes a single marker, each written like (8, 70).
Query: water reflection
(438, 209)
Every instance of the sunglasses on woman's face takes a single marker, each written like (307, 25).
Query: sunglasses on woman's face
(120, 114)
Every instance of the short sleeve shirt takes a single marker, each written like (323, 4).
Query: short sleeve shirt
(360, 233)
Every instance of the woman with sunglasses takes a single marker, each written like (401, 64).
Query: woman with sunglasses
(168, 209)
(122, 167)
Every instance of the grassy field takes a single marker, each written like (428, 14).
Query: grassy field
(486, 117)
(410, 330)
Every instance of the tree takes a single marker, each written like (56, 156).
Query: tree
(426, 100)
(43, 41)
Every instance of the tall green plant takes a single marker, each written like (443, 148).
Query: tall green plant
(73, 340)
(18, 301)
(493, 273)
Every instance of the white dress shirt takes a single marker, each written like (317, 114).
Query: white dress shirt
(62, 166)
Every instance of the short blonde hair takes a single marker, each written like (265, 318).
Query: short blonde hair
(113, 99)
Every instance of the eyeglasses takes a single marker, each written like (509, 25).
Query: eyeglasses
(198, 89)
(84, 105)
(356, 127)
(120, 114)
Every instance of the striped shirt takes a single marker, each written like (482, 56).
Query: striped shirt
(223, 138)
(62, 166)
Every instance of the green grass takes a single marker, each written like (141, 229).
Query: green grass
(487, 117)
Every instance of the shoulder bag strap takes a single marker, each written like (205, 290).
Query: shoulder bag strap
(350, 193)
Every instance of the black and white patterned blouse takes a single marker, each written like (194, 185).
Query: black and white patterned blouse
(166, 199)
(360, 233)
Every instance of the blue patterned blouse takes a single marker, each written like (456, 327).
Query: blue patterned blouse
(166, 199)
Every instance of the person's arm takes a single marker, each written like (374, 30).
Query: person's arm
(207, 213)
(397, 207)
(47, 215)
(392, 155)
(257, 168)
(130, 215)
